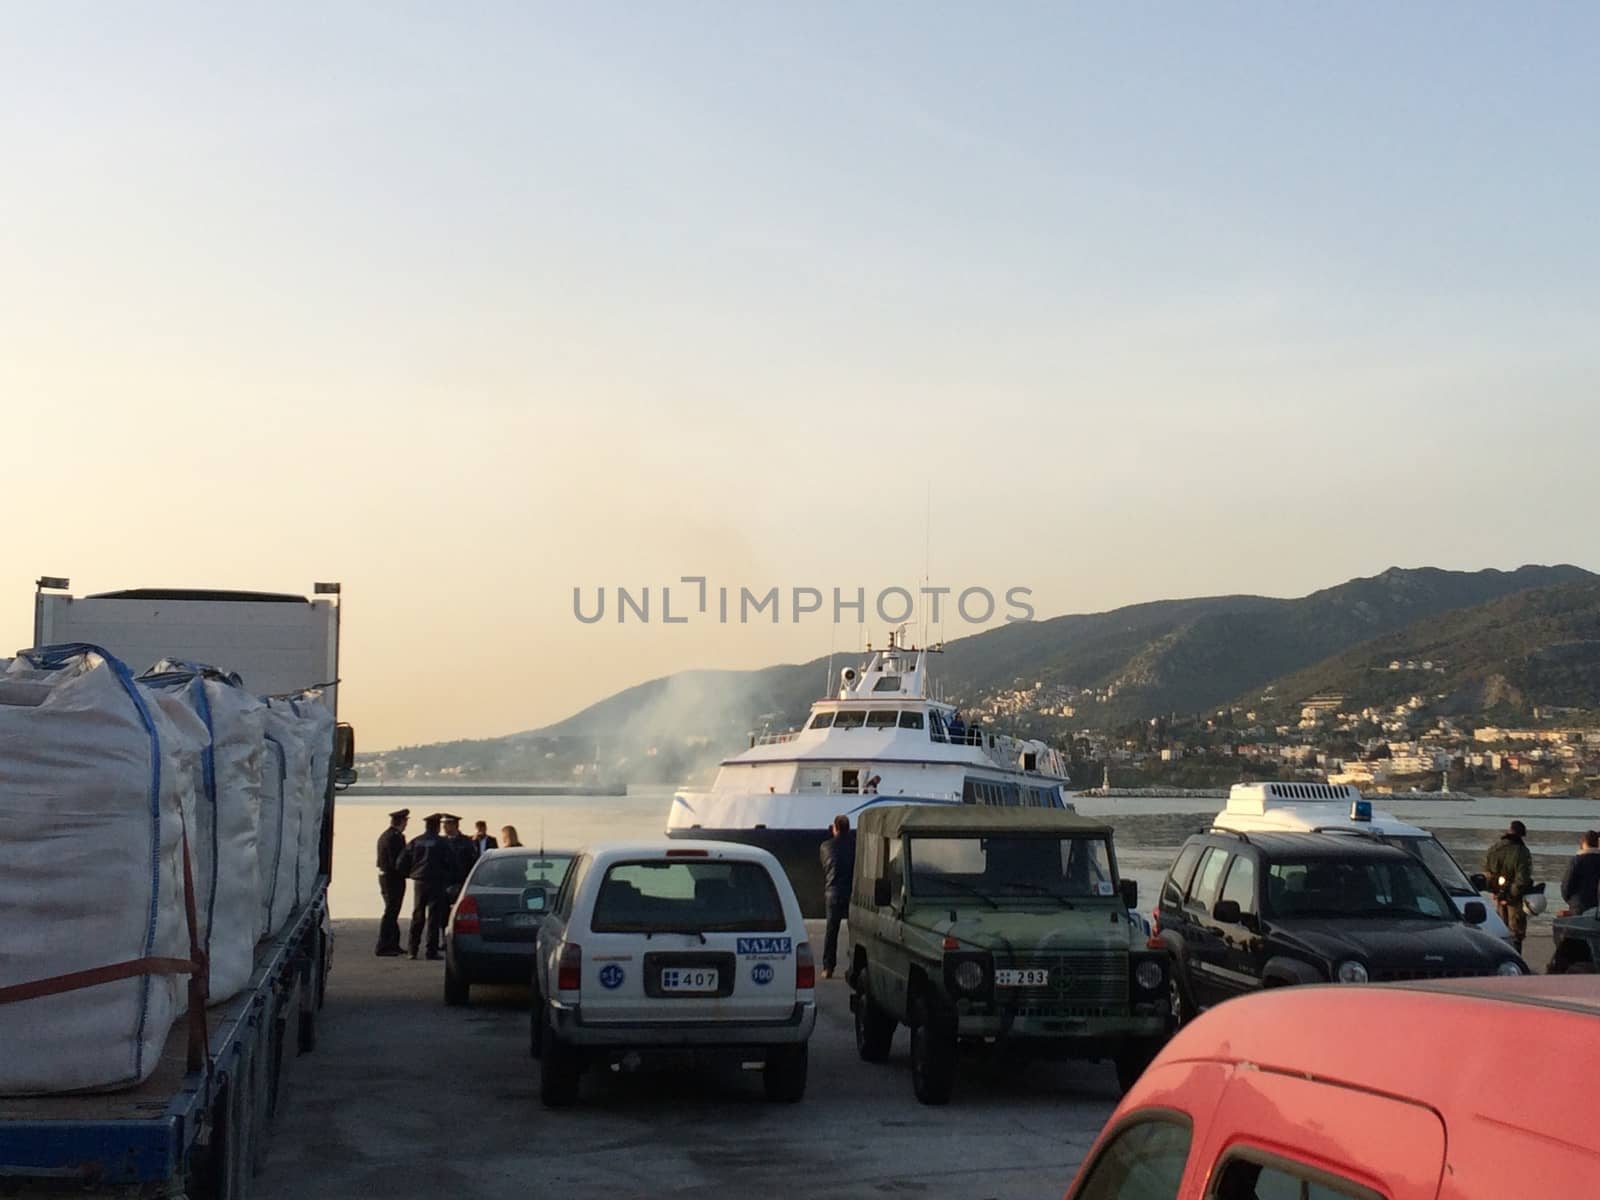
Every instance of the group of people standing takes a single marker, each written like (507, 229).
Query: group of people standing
(437, 862)
(1508, 868)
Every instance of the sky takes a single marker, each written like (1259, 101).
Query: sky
(468, 307)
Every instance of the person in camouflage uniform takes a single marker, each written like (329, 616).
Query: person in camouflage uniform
(1509, 867)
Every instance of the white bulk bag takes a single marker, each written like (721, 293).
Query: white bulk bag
(316, 728)
(91, 870)
(227, 865)
(284, 778)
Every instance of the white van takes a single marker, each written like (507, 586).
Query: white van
(679, 946)
(1334, 808)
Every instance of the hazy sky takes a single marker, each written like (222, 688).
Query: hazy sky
(467, 310)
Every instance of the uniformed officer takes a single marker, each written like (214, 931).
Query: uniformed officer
(431, 865)
(1509, 866)
(463, 853)
(392, 882)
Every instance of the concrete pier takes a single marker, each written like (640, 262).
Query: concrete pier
(407, 1098)
(404, 1097)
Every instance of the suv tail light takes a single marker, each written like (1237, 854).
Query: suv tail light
(466, 920)
(569, 971)
(805, 970)
(1155, 919)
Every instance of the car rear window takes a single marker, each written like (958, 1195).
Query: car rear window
(1143, 1162)
(678, 896)
(521, 870)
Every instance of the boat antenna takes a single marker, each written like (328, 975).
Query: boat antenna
(927, 557)
(833, 634)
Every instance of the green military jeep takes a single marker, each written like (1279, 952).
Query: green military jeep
(1005, 927)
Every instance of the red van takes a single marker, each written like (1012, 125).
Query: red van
(1463, 1089)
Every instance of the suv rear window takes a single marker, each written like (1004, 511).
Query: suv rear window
(675, 896)
(1336, 888)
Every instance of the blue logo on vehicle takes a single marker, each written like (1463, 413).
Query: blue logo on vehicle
(761, 974)
(766, 945)
(611, 977)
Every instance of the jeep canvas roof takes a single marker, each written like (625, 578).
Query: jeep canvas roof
(891, 820)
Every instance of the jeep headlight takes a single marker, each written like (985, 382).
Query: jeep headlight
(1509, 967)
(1351, 971)
(1149, 975)
(968, 975)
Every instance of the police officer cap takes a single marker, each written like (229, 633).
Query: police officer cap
(433, 818)
(451, 817)
(400, 814)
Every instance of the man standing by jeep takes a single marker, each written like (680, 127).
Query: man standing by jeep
(1509, 867)
(838, 855)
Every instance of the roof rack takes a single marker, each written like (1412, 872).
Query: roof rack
(1230, 833)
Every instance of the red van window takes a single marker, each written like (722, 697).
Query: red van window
(1244, 1179)
(1143, 1162)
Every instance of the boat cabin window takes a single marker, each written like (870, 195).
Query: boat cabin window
(910, 720)
(849, 720)
(821, 721)
(883, 718)
(888, 683)
(849, 779)
(936, 726)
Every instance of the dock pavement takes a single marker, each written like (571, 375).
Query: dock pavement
(405, 1098)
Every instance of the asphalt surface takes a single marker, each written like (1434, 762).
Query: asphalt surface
(404, 1097)
(407, 1098)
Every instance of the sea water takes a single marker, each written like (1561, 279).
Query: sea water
(1149, 830)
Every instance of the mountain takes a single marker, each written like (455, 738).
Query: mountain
(1540, 646)
(1104, 669)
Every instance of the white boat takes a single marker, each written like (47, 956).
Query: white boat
(882, 739)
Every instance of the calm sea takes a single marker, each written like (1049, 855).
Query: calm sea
(1149, 831)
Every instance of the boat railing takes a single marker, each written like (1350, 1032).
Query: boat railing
(772, 739)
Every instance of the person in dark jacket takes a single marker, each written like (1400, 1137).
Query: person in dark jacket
(483, 840)
(1509, 866)
(431, 863)
(392, 882)
(1581, 887)
(838, 855)
(464, 853)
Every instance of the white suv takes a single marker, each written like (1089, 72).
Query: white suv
(673, 945)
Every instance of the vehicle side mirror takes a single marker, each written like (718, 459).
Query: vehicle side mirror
(1474, 912)
(1130, 893)
(533, 899)
(882, 896)
(1226, 912)
(344, 746)
(1479, 881)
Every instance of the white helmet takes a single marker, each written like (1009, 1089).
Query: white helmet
(1534, 903)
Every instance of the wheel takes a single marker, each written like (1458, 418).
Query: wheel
(1582, 968)
(933, 1054)
(455, 988)
(784, 1076)
(874, 1026)
(559, 1070)
(1178, 997)
(1132, 1059)
(536, 1024)
(874, 1029)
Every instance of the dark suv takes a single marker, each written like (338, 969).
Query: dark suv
(1577, 941)
(1240, 912)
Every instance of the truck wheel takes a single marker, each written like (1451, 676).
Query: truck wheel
(559, 1070)
(784, 1075)
(1178, 997)
(874, 1028)
(1582, 968)
(933, 1053)
(1132, 1059)
(455, 989)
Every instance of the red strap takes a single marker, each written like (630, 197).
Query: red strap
(199, 1049)
(131, 969)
